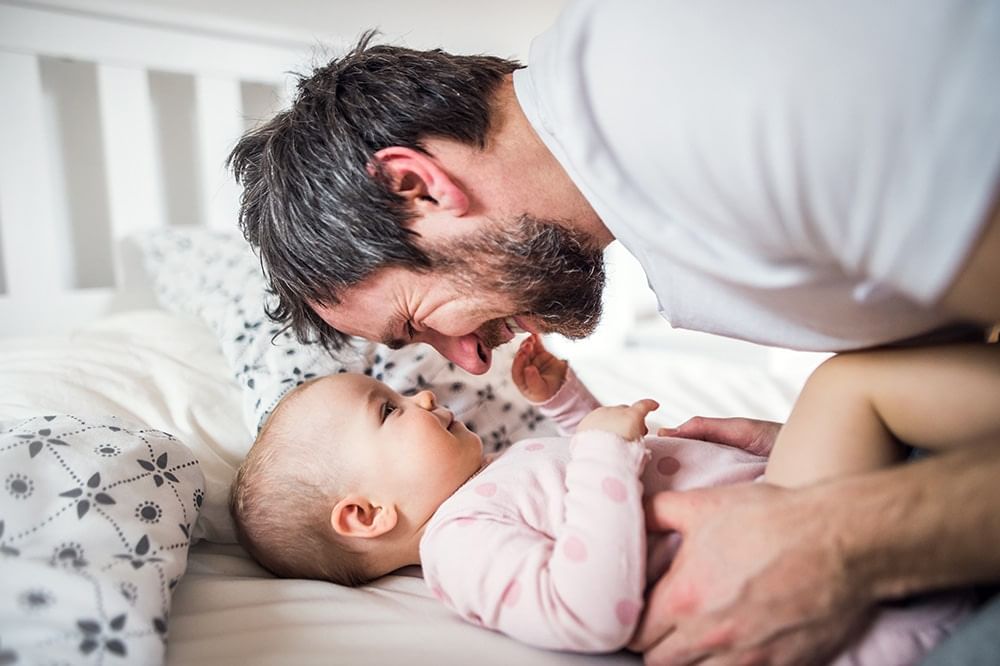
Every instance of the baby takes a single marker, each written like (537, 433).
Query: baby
(546, 541)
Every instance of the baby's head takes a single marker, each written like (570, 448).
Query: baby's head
(343, 477)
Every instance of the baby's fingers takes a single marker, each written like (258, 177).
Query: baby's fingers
(533, 381)
(645, 406)
(517, 367)
(641, 409)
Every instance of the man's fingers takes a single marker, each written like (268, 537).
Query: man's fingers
(709, 429)
(752, 435)
(671, 510)
(654, 624)
(671, 653)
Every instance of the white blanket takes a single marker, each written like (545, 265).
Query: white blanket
(166, 371)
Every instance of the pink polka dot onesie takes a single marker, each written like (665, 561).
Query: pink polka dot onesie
(547, 543)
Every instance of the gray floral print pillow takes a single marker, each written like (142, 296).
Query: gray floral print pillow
(95, 523)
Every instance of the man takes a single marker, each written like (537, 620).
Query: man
(819, 175)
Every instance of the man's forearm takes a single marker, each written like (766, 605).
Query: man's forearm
(918, 527)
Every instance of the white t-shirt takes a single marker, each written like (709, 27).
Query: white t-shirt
(807, 174)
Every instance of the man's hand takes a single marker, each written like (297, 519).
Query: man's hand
(536, 372)
(750, 435)
(759, 579)
(627, 422)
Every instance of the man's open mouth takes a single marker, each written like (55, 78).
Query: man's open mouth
(514, 325)
(499, 332)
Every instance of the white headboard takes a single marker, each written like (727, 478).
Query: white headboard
(110, 125)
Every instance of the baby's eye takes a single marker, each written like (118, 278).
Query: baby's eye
(387, 409)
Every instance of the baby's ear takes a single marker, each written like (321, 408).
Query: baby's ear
(357, 516)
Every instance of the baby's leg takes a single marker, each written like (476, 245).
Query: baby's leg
(856, 409)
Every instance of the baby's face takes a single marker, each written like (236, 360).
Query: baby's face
(406, 450)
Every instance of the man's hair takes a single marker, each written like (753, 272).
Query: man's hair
(320, 217)
(281, 501)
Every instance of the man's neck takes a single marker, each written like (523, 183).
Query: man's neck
(528, 171)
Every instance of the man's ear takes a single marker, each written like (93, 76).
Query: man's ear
(356, 516)
(419, 178)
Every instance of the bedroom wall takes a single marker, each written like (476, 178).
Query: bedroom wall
(461, 26)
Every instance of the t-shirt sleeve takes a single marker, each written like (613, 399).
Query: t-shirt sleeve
(578, 589)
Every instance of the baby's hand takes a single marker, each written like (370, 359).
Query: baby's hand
(537, 373)
(627, 422)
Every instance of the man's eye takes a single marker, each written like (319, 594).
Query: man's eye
(387, 409)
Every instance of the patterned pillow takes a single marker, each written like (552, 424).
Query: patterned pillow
(216, 277)
(95, 522)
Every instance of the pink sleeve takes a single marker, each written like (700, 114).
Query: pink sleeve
(578, 589)
(570, 404)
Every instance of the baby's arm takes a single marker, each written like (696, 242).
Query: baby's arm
(856, 408)
(550, 384)
(579, 588)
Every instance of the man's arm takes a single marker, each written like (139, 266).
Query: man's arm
(814, 560)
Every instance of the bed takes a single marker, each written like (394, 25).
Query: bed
(135, 348)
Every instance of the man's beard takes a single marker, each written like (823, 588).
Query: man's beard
(550, 273)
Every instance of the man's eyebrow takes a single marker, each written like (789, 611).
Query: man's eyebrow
(389, 338)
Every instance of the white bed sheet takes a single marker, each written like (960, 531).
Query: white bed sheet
(165, 371)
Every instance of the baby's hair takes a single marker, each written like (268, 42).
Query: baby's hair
(281, 501)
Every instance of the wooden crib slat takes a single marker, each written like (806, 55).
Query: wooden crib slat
(131, 153)
(219, 114)
(35, 252)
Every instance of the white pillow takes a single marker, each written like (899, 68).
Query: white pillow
(216, 277)
(164, 371)
(95, 523)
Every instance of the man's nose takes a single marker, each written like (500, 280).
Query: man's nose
(463, 351)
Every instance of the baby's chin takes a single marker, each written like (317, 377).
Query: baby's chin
(475, 440)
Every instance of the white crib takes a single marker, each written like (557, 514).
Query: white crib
(110, 125)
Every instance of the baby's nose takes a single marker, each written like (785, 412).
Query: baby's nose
(426, 400)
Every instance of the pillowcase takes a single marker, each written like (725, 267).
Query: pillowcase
(216, 277)
(95, 521)
(148, 366)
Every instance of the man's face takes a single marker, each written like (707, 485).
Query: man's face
(482, 290)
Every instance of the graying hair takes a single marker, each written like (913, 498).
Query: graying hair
(320, 220)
